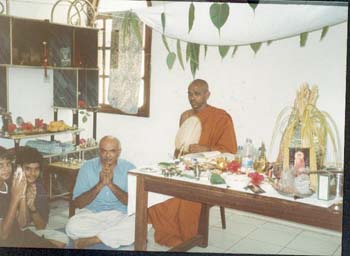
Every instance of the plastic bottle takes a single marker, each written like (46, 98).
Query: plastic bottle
(248, 155)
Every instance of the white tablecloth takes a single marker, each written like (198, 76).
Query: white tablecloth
(235, 182)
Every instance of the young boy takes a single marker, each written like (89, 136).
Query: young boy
(14, 210)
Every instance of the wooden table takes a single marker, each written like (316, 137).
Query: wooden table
(211, 195)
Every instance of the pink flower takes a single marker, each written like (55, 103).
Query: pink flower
(255, 178)
(233, 166)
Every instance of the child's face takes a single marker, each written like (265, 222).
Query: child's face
(5, 169)
(31, 171)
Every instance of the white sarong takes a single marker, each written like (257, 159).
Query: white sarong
(113, 228)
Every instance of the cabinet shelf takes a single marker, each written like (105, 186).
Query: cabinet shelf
(70, 152)
(38, 135)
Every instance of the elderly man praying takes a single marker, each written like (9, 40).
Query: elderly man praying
(101, 193)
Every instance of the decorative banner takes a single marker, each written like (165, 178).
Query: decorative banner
(243, 26)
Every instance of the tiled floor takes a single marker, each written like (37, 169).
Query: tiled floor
(245, 233)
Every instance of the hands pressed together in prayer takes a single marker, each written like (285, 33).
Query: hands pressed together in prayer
(106, 176)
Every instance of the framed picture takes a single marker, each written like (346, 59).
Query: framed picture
(299, 158)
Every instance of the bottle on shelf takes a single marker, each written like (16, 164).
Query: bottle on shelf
(248, 156)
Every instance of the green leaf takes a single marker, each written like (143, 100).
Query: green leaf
(188, 49)
(223, 50)
(165, 43)
(205, 50)
(170, 59)
(324, 32)
(87, 114)
(179, 54)
(253, 4)
(136, 28)
(190, 17)
(84, 119)
(163, 20)
(81, 112)
(219, 14)
(234, 51)
(192, 52)
(194, 67)
(255, 47)
(303, 38)
(269, 42)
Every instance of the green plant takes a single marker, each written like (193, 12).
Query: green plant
(305, 125)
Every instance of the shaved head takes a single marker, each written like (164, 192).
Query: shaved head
(198, 94)
(201, 84)
(110, 139)
(110, 149)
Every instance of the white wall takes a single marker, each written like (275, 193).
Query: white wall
(252, 88)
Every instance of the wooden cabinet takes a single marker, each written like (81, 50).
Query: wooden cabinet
(70, 51)
(3, 89)
(5, 57)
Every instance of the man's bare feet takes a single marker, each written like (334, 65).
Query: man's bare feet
(57, 243)
(82, 243)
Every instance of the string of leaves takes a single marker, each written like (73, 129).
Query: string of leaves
(219, 13)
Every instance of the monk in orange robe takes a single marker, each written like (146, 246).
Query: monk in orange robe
(176, 220)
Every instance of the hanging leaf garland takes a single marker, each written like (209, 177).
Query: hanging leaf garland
(255, 47)
(190, 17)
(179, 54)
(234, 51)
(253, 4)
(223, 50)
(205, 50)
(219, 14)
(170, 60)
(165, 43)
(163, 21)
(192, 54)
(324, 32)
(303, 38)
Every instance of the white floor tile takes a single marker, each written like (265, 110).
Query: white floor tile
(281, 227)
(337, 252)
(234, 226)
(288, 251)
(209, 249)
(276, 237)
(247, 245)
(246, 219)
(315, 243)
(222, 238)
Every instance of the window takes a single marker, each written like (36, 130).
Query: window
(104, 23)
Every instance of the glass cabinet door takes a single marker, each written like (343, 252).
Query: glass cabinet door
(65, 88)
(5, 40)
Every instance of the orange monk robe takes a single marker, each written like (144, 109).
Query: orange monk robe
(176, 220)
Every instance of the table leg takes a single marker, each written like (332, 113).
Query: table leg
(141, 215)
(203, 225)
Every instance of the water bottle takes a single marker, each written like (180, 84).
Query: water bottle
(247, 157)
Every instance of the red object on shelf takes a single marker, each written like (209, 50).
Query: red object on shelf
(27, 126)
(255, 178)
(81, 104)
(39, 123)
(233, 166)
(11, 128)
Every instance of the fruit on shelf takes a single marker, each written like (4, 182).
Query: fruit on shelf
(57, 126)
(27, 127)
